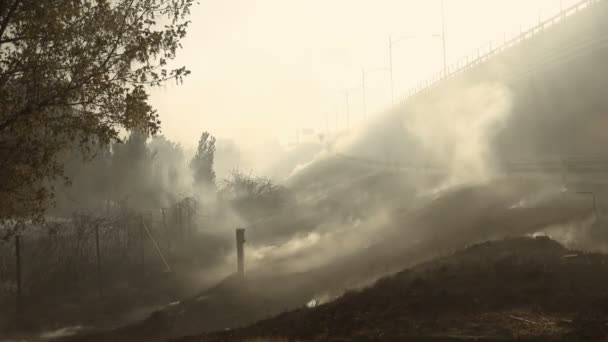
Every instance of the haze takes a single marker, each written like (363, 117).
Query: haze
(328, 171)
(263, 69)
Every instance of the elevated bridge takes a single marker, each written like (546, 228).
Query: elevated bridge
(556, 75)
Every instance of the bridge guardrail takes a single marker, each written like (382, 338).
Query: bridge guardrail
(572, 165)
(478, 57)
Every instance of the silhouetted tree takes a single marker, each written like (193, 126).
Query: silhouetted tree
(202, 162)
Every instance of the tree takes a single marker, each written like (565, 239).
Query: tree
(253, 197)
(90, 182)
(75, 71)
(170, 165)
(202, 163)
(132, 166)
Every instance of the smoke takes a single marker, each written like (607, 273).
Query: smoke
(425, 145)
(578, 235)
(356, 203)
(450, 135)
(329, 241)
(456, 131)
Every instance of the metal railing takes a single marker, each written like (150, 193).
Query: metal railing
(570, 165)
(481, 56)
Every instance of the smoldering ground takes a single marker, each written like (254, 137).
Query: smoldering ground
(356, 217)
(419, 181)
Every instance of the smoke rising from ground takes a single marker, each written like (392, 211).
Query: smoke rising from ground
(456, 132)
(448, 141)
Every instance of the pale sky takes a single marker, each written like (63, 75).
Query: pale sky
(261, 69)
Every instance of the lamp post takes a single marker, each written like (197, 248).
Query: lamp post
(445, 65)
(392, 42)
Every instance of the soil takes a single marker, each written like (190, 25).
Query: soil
(514, 289)
(507, 289)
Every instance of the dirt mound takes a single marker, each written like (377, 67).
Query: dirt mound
(516, 288)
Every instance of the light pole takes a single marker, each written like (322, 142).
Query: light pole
(445, 65)
(392, 42)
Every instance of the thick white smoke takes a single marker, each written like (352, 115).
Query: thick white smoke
(450, 134)
(455, 132)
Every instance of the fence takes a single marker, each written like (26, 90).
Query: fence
(90, 254)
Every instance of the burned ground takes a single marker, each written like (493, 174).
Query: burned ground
(510, 289)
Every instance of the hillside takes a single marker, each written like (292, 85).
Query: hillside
(515, 288)
(358, 256)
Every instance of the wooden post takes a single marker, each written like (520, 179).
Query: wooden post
(98, 257)
(142, 239)
(126, 227)
(166, 231)
(18, 269)
(240, 241)
(178, 221)
(190, 222)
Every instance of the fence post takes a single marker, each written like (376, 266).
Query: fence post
(98, 256)
(166, 230)
(190, 222)
(240, 241)
(178, 221)
(18, 271)
(142, 240)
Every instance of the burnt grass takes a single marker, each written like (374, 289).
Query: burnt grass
(514, 289)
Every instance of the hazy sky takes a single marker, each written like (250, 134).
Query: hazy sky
(263, 68)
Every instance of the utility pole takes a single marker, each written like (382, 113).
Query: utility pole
(392, 42)
(445, 64)
(364, 99)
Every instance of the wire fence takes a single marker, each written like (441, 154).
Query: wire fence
(90, 253)
(556, 166)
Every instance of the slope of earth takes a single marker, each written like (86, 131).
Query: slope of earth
(449, 222)
(513, 289)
